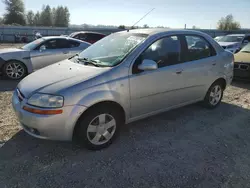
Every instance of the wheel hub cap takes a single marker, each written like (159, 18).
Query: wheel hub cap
(101, 129)
(14, 70)
(215, 95)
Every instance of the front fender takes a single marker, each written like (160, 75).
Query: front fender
(102, 96)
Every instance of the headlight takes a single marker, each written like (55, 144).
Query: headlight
(46, 100)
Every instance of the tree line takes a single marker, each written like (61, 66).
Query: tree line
(15, 15)
(60, 17)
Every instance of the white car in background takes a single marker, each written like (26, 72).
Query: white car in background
(218, 38)
(16, 63)
(235, 42)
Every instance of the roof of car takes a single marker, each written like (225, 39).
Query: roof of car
(237, 35)
(63, 37)
(153, 31)
(89, 32)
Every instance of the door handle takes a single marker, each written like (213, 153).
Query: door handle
(214, 64)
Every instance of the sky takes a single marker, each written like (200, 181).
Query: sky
(169, 13)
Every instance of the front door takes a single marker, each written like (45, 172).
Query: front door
(155, 90)
(54, 50)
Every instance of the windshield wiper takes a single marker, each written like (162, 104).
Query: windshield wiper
(245, 51)
(89, 61)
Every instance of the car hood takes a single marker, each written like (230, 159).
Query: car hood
(57, 77)
(242, 57)
(228, 43)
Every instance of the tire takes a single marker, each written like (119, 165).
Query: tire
(214, 95)
(93, 135)
(14, 70)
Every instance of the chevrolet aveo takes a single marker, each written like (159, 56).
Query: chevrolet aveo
(124, 77)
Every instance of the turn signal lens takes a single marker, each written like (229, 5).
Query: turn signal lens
(42, 112)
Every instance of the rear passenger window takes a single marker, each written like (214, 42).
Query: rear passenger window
(198, 48)
(82, 37)
(73, 44)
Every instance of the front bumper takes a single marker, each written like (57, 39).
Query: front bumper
(242, 71)
(52, 127)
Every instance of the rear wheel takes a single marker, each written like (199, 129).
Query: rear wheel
(214, 95)
(98, 128)
(14, 70)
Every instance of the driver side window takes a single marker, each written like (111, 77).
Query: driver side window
(165, 52)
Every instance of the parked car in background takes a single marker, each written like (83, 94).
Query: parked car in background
(16, 63)
(87, 36)
(235, 42)
(217, 39)
(242, 63)
(124, 77)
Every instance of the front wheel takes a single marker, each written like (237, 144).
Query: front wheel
(214, 95)
(14, 70)
(98, 127)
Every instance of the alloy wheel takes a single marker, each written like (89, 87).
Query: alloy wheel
(14, 70)
(215, 95)
(101, 129)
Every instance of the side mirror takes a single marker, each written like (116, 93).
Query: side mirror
(148, 64)
(245, 42)
(42, 48)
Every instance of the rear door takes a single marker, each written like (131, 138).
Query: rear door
(73, 48)
(200, 66)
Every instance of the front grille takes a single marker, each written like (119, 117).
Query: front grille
(241, 66)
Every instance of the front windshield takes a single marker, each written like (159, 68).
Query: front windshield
(33, 45)
(246, 48)
(72, 34)
(111, 50)
(231, 39)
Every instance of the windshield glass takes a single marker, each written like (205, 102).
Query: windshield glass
(33, 45)
(111, 50)
(246, 48)
(231, 39)
(72, 34)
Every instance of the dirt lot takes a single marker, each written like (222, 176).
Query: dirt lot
(188, 147)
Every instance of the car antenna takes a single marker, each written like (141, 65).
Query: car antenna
(141, 18)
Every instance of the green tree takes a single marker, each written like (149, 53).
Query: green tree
(53, 13)
(14, 12)
(46, 16)
(62, 16)
(228, 23)
(145, 26)
(37, 19)
(30, 16)
(121, 27)
(1, 20)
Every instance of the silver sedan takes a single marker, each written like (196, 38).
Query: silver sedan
(122, 78)
(16, 63)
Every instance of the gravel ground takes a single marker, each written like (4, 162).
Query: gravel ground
(187, 147)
